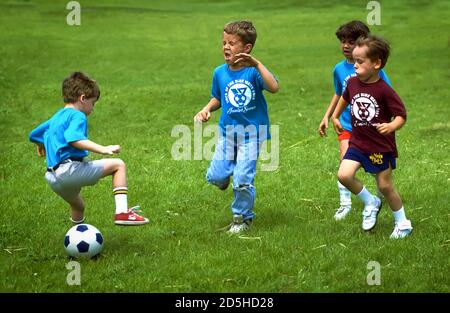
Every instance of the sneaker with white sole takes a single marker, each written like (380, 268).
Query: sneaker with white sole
(370, 214)
(238, 225)
(130, 218)
(342, 212)
(402, 230)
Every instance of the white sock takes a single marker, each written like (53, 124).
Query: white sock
(399, 215)
(366, 196)
(344, 195)
(121, 198)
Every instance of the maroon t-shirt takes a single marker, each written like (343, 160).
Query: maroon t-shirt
(371, 105)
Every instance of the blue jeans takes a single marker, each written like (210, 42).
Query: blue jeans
(237, 160)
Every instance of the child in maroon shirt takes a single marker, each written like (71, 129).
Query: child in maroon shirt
(377, 112)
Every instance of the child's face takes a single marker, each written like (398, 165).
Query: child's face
(365, 68)
(347, 46)
(232, 45)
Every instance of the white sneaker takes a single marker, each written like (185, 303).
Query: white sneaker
(342, 212)
(239, 225)
(370, 214)
(401, 229)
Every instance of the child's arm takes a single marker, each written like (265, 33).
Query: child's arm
(40, 150)
(93, 147)
(395, 124)
(337, 114)
(37, 136)
(205, 113)
(328, 113)
(267, 77)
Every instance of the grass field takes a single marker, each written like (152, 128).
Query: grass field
(154, 62)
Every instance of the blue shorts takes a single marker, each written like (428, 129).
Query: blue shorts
(371, 162)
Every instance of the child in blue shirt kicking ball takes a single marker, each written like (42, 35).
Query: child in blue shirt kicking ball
(63, 140)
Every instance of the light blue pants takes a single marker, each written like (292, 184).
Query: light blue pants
(237, 160)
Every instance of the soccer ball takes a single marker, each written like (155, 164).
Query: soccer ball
(83, 240)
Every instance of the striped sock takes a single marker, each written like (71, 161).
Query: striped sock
(120, 196)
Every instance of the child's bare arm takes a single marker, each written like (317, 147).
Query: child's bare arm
(395, 124)
(324, 123)
(269, 80)
(205, 113)
(94, 147)
(40, 149)
(337, 114)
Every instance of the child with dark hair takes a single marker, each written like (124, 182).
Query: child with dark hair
(377, 112)
(64, 142)
(347, 35)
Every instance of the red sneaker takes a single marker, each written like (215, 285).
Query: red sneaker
(130, 218)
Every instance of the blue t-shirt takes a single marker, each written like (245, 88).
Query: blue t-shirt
(341, 73)
(56, 134)
(243, 104)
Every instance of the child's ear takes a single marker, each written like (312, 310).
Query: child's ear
(82, 98)
(248, 48)
(378, 64)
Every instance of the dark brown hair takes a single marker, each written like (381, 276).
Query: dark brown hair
(244, 29)
(78, 84)
(352, 30)
(378, 48)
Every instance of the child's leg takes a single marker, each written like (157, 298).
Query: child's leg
(343, 147)
(77, 209)
(117, 168)
(344, 194)
(222, 164)
(243, 179)
(385, 184)
(124, 215)
(372, 204)
(346, 175)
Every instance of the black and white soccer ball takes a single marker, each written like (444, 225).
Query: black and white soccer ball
(83, 240)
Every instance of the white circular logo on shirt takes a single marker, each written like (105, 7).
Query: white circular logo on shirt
(239, 95)
(364, 109)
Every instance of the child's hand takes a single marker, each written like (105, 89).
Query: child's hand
(323, 125)
(41, 150)
(385, 128)
(111, 150)
(246, 60)
(202, 116)
(337, 126)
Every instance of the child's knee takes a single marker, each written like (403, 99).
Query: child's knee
(120, 163)
(386, 188)
(216, 178)
(344, 177)
(243, 187)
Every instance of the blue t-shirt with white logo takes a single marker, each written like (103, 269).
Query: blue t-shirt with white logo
(341, 73)
(56, 134)
(243, 104)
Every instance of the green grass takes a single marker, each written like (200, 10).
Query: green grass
(154, 62)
